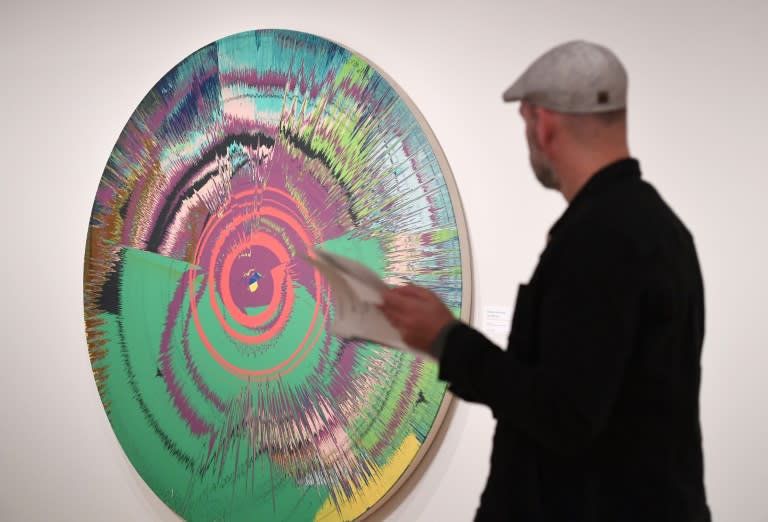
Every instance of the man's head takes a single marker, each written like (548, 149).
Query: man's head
(573, 101)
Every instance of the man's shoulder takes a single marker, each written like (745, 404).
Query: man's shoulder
(634, 216)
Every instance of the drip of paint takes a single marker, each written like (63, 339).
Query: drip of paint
(253, 281)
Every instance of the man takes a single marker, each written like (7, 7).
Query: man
(596, 396)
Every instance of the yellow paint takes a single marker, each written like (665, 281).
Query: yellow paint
(366, 496)
(253, 286)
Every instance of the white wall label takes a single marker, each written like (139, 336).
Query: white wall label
(497, 320)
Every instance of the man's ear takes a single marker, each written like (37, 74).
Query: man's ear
(546, 126)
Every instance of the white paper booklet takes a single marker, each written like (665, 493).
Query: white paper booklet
(356, 291)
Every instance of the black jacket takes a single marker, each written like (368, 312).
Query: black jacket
(596, 397)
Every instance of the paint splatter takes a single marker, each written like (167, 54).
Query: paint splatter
(208, 332)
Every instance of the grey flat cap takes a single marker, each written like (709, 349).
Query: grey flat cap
(575, 77)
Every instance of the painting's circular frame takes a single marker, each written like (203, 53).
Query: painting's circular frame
(414, 468)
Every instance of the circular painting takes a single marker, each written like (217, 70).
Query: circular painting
(208, 329)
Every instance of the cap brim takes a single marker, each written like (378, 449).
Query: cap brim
(513, 93)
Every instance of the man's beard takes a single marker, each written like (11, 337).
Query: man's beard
(541, 168)
(544, 174)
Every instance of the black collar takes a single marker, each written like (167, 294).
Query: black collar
(603, 180)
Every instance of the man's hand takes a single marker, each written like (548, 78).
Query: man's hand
(417, 313)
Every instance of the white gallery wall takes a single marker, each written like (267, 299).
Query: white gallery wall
(73, 72)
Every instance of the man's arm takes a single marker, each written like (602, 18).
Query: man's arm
(587, 328)
(583, 330)
(438, 347)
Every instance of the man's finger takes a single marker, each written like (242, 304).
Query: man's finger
(397, 299)
(395, 317)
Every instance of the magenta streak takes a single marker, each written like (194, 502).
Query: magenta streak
(204, 389)
(271, 79)
(129, 231)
